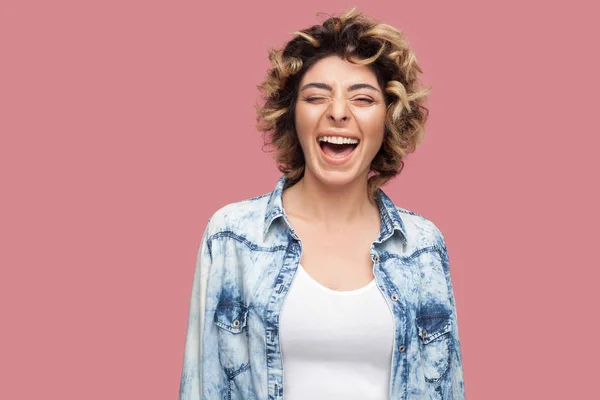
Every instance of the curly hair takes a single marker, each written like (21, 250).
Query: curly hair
(350, 36)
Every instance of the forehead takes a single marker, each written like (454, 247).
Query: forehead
(334, 69)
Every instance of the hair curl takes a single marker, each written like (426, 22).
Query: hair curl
(351, 35)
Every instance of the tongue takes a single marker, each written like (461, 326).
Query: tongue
(337, 150)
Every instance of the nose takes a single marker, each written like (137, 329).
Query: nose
(338, 111)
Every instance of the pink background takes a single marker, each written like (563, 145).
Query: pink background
(125, 124)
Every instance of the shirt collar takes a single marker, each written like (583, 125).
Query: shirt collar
(390, 217)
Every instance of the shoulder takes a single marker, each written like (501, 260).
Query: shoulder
(240, 216)
(420, 229)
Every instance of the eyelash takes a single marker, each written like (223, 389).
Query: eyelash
(310, 99)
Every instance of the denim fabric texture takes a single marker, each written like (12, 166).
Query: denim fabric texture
(247, 259)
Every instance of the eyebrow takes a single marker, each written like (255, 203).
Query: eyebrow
(356, 86)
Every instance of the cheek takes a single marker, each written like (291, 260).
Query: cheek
(304, 127)
(305, 120)
(372, 123)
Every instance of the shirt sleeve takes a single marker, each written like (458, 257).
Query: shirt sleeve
(191, 377)
(454, 386)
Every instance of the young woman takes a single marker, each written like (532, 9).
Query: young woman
(324, 288)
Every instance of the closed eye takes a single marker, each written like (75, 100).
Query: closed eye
(363, 99)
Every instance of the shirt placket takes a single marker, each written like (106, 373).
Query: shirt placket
(280, 290)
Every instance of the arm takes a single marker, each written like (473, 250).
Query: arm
(454, 387)
(191, 377)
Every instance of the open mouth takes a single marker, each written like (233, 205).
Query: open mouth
(335, 150)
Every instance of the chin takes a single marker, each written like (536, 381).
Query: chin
(337, 178)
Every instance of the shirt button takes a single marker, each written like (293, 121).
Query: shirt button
(394, 297)
(236, 323)
(401, 349)
(375, 258)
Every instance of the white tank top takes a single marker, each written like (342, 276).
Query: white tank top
(335, 344)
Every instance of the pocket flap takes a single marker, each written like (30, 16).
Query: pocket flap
(231, 316)
(432, 326)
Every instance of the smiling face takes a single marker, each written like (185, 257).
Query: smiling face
(338, 104)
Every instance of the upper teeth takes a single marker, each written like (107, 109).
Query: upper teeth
(337, 140)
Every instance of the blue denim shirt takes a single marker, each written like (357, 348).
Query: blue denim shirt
(247, 259)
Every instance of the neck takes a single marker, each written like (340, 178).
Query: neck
(329, 206)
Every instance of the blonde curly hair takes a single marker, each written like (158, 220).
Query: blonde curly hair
(351, 36)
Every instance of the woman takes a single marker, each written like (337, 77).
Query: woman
(323, 288)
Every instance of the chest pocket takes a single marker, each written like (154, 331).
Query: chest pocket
(434, 344)
(230, 318)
